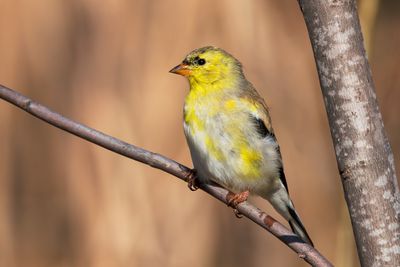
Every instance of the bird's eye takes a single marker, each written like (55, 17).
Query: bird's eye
(201, 61)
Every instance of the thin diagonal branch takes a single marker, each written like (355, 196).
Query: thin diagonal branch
(305, 251)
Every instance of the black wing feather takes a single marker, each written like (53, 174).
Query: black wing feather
(263, 132)
(260, 127)
(283, 178)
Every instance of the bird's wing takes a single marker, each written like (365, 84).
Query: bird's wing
(262, 122)
(260, 110)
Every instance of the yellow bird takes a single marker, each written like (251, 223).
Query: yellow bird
(229, 133)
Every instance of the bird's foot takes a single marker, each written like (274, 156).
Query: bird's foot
(191, 180)
(236, 199)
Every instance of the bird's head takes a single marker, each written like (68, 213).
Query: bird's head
(209, 65)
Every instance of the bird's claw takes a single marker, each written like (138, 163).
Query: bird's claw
(236, 199)
(237, 213)
(191, 180)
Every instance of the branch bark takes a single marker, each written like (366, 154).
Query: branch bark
(363, 153)
(305, 251)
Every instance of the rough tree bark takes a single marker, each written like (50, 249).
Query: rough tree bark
(363, 153)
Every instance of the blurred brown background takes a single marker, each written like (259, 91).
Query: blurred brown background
(65, 202)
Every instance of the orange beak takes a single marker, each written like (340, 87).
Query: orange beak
(181, 69)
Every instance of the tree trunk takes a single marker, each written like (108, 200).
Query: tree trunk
(363, 153)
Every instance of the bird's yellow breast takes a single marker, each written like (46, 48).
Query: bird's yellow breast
(219, 123)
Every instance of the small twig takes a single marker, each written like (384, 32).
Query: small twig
(305, 251)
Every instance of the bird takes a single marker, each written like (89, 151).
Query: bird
(228, 129)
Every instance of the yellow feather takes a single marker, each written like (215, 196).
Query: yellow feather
(250, 163)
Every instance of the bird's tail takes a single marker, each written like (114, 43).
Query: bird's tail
(297, 226)
(280, 200)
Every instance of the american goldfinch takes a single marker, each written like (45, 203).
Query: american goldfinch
(229, 133)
